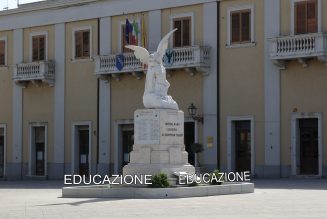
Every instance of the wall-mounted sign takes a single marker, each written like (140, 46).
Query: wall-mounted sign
(209, 141)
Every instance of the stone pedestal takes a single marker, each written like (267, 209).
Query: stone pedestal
(158, 143)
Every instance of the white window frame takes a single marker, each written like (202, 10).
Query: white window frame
(230, 10)
(31, 142)
(230, 120)
(73, 138)
(319, 16)
(120, 25)
(295, 139)
(33, 34)
(4, 38)
(4, 126)
(182, 15)
(74, 30)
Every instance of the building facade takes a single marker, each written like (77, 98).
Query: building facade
(68, 105)
(272, 83)
(255, 70)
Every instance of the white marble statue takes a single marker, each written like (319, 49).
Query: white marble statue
(156, 85)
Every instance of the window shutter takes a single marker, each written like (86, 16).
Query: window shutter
(41, 48)
(235, 18)
(35, 49)
(78, 44)
(246, 28)
(178, 33)
(86, 43)
(186, 32)
(312, 16)
(300, 18)
(2, 52)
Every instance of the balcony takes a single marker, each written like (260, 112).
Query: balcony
(195, 58)
(35, 72)
(300, 47)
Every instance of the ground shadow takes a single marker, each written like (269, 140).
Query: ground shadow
(290, 183)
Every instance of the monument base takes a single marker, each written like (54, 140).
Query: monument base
(158, 144)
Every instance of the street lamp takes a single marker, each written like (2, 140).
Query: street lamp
(192, 112)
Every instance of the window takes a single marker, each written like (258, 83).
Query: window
(2, 52)
(38, 48)
(82, 44)
(306, 17)
(240, 26)
(182, 36)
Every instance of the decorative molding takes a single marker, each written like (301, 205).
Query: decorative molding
(250, 7)
(31, 141)
(73, 139)
(6, 50)
(295, 143)
(75, 29)
(182, 15)
(230, 144)
(31, 35)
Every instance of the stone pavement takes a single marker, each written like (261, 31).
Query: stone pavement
(286, 198)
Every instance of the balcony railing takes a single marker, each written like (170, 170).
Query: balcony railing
(36, 72)
(196, 57)
(299, 47)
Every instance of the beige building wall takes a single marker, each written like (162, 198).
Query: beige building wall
(242, 79)
(28, 32)
(38, 99)
(80, 89)
(6, 98)
(302, 90)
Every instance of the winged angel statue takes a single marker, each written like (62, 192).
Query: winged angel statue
(156, 85)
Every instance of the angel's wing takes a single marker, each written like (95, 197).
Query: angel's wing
(140, 53)
(163, 45)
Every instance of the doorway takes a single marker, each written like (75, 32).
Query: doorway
(38, 149)
(2, 150)
(189, 139)
(81, 156)
(240, 144)
(127, 137)
(306, 144)
(242, 139)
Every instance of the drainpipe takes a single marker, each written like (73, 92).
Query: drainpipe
(98, 100)
(218, 87)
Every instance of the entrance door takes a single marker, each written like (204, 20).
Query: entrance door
(39, 140)
(128, 141)
(189, 140)
(308, 146)
(2, 151)
(242, 145)
(83, 148)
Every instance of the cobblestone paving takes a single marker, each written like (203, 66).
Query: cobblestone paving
(286, 198)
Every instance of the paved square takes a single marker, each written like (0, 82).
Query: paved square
(300, 198)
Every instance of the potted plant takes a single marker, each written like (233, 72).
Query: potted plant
(196, 148)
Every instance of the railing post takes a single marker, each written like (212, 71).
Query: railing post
(273, 47)
(197, 54)
(319, 43)
(97, 64)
